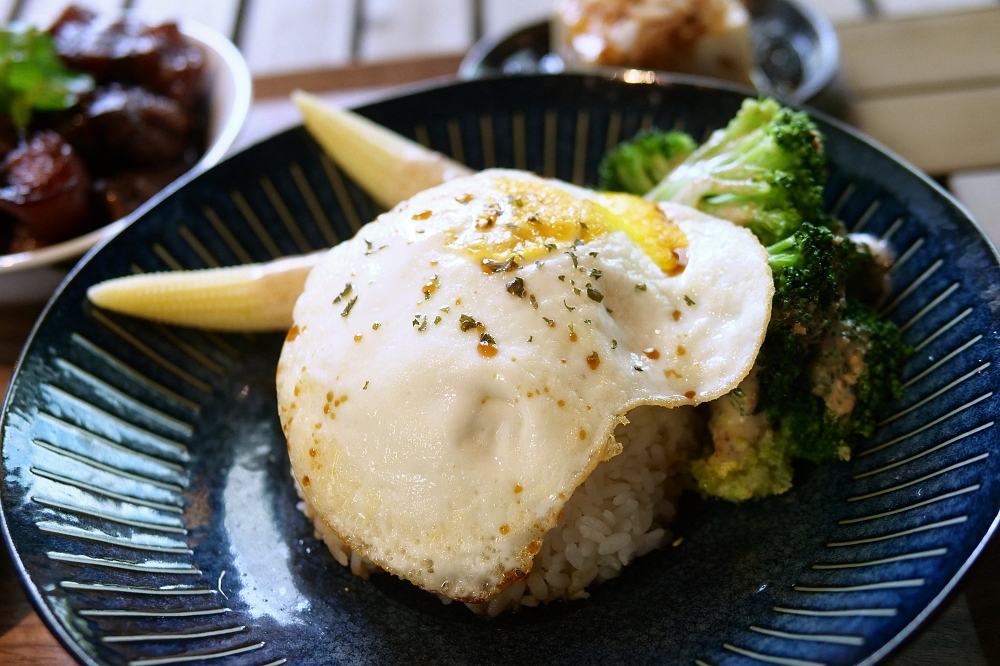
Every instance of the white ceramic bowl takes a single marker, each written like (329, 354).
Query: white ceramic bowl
(31, 277)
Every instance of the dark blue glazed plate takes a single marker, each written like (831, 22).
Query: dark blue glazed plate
(146, 494)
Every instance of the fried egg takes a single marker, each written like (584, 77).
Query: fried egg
(457, 369)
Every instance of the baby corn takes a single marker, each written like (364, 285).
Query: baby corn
(254, 297)
(389, 167)
(260, 297)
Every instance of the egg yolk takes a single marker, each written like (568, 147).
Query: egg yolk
(534, 219)
(648, 227)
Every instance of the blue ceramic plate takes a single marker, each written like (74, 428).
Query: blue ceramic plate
(146, 493)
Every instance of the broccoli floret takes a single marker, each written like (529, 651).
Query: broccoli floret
(829, 364)
(865, 261)
(635, 166)
(782, 360)
(814, 270)
(805, 429)
(853, 376)
(831, 395)
(807, 299)
(807, 274)
(880, 382)
(764, 170)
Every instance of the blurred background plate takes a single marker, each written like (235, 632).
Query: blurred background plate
(795, 49)
(31, 277)
(146, 493)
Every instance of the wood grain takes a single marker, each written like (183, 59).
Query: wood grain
(929, 87)
(503, 16)
(357, 76)
(398, 29)
(892, 57)
(838, 10)
(909, 7)
(940, 131)
(29, 641)
(220, 16)
(289, 35)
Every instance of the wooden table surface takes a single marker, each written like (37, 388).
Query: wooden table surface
(925, 81)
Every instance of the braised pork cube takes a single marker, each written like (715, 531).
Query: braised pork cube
(132, 126)
(46, 189)
(108, 50)
(181, 72)
(124, 192)
(124, 50)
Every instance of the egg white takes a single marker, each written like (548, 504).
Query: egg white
(446, 466)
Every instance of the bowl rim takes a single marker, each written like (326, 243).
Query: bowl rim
(659, 79)
(210, 39)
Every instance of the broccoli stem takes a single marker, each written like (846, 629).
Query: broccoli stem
(764, 170)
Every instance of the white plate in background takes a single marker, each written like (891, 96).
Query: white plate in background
(32, 276)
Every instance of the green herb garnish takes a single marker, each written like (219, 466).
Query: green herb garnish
(467, 323)
(516, 287)
(344, 294)
(32, 78)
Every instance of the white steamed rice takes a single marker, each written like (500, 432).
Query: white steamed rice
(619, 513)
